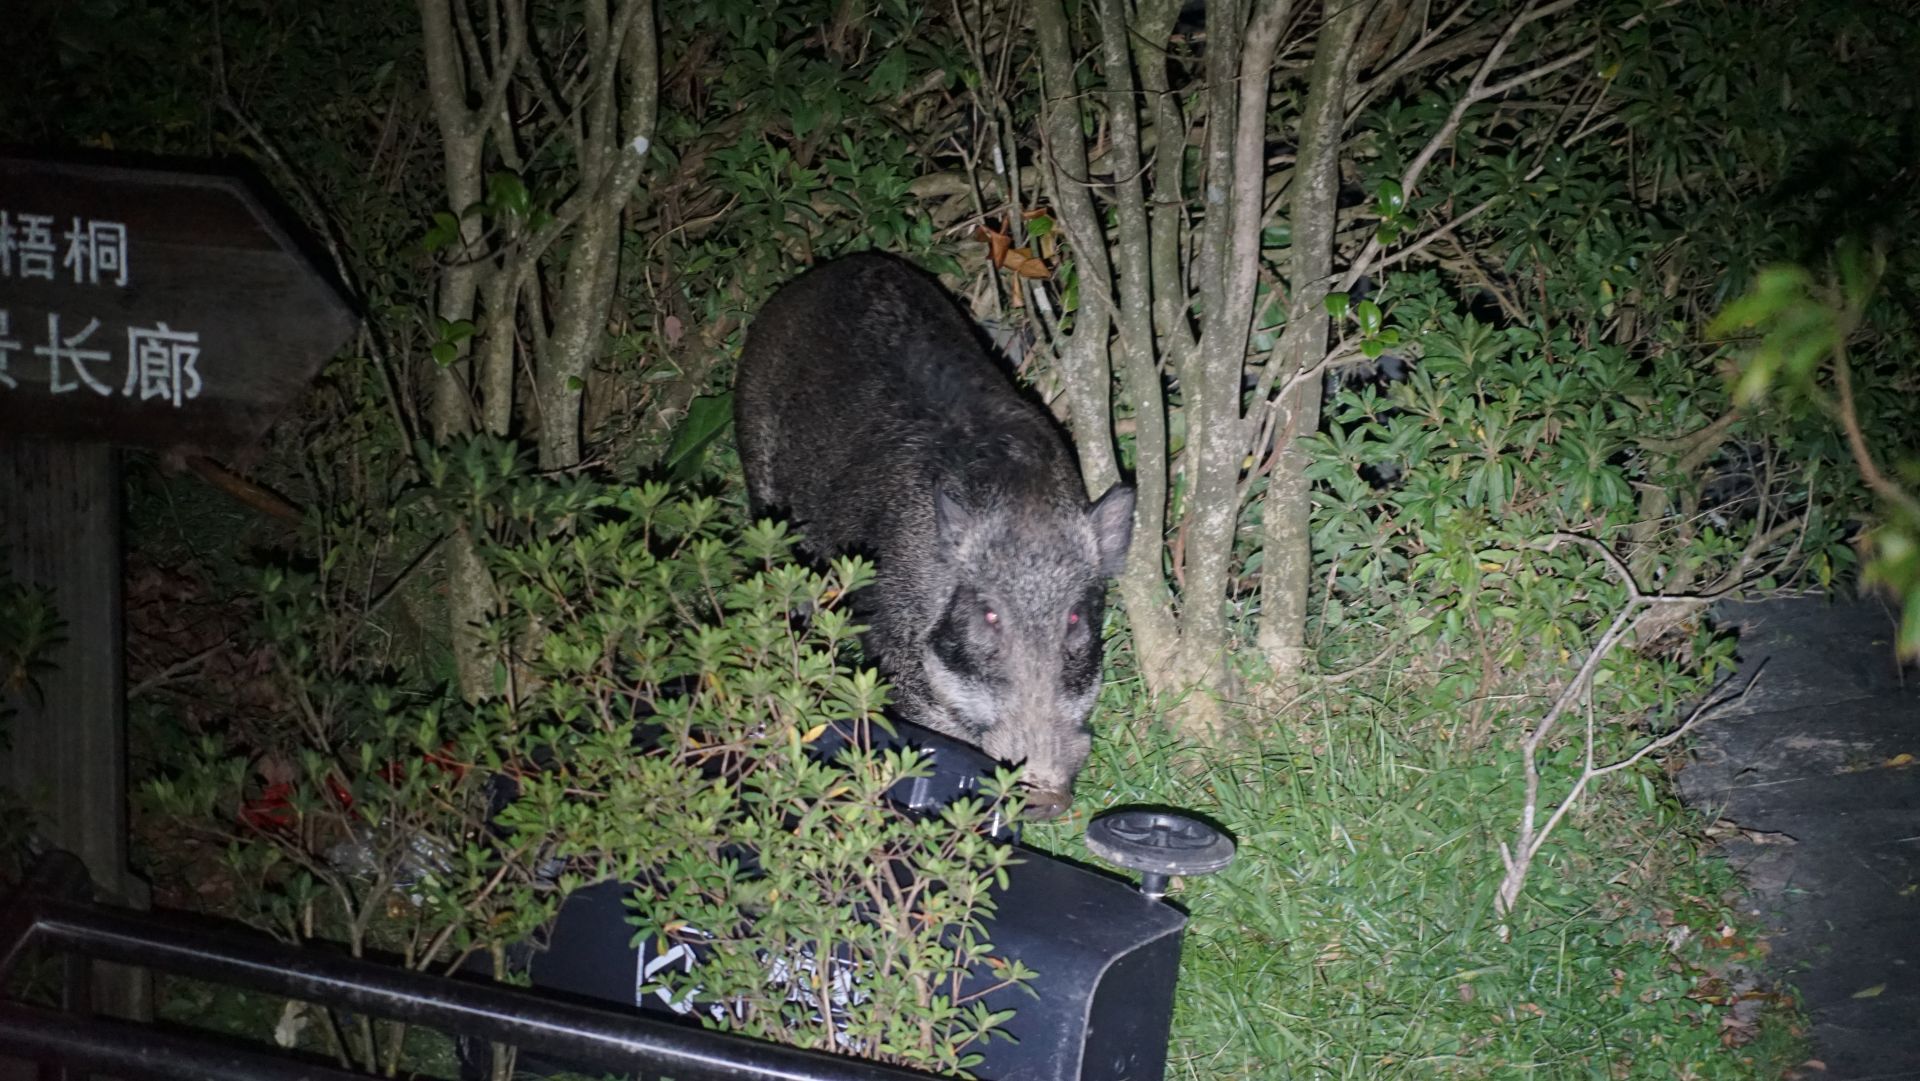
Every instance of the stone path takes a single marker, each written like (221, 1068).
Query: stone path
(1809, 767)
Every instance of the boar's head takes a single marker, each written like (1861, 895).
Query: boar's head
(1013, 660)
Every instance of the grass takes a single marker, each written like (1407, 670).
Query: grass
(1355, 935)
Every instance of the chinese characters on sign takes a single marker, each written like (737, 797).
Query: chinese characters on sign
(158, 361)
(94, 252)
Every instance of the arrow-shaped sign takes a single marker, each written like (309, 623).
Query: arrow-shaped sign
(151, 308)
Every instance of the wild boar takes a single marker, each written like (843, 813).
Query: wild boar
(870, 413)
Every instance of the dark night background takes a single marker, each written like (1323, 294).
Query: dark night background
(1469, 359)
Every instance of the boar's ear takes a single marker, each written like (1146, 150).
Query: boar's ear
(1112, 518)
(950, 519)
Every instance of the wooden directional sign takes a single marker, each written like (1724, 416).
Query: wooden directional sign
(142, 308)
(152, 308)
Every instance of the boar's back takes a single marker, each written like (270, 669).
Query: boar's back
(862, 387)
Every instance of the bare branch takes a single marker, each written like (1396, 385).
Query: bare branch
(1539, 72)
(1423, 53)
(1143, 585)
(1849, 418)
(1518, 858)
(1477, 91)
(1171, 302)
(1696, 446)
(1249, 163)
(1286, 534)
(1528, 840)
(493, 102)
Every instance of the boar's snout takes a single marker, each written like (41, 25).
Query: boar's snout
(1043, 805)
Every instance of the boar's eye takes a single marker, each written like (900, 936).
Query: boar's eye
(1080, 629)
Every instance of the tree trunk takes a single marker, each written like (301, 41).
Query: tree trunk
(1083, 362)
(1143, 585)
(1286, 532)
(1240, 56)
(1210, 387)
(620, 119)
(578, 330)
(451, 413)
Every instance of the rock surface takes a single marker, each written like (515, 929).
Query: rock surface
(1818, 767)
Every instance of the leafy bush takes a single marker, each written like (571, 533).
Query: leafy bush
(1839, 349)
(677, 693)
(30, 628)
(655, 701)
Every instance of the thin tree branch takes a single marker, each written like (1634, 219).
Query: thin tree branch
(1477, 92)
(1849, 417)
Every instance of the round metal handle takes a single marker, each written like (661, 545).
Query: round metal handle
(1159, 844)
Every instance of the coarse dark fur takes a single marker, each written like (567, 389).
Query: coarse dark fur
(868, 410)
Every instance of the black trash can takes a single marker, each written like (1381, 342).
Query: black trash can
(1106, 956)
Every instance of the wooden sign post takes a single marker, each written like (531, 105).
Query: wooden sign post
(142, 308)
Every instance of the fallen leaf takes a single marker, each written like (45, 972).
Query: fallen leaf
(1871, 992)
(997, 244)
(1022, 262)
(1898, 760)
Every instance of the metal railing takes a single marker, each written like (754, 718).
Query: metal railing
(46, 916)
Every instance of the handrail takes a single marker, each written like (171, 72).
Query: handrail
(125, 1049)
(580, 1036)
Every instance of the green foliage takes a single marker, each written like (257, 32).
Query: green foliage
(1895, 564)
(707, 419)
(1805, 353)
(30, 629)
(1461, 510)
(1562, 449)
(786, 135)
(655, 702)
(351, 807)
(1827, 284)
(1444, 494)
(653, 655)
(808, 150)
(1354, 935)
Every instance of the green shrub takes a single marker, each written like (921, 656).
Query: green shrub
(30, 628)
(655, 698)
(650, 617)
(1839, 349)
